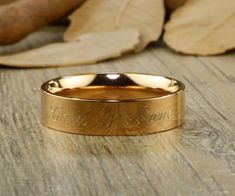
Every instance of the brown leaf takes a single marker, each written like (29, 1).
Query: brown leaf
(22, 17)
(46, 35)
(205, 27)
(88, 48)
(106, 15)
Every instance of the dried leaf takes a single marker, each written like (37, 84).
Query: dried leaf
(88, 48)
(22, 17)
(44, 36)
(102, 15)
(202, 27)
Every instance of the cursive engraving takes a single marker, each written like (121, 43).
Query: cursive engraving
(143, 116)
(139, 118)
(58, 114)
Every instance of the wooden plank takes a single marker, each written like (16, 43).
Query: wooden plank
(197, 159)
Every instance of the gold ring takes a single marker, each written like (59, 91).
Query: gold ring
(112, 104)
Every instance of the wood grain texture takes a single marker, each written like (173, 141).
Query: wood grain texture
(196, 159)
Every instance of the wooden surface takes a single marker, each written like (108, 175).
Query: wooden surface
(196, 159)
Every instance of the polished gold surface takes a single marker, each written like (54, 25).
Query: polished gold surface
(112, 104)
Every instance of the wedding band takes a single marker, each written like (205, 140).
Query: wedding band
(112, 104)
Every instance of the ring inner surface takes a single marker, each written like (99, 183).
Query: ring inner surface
(113, 86)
